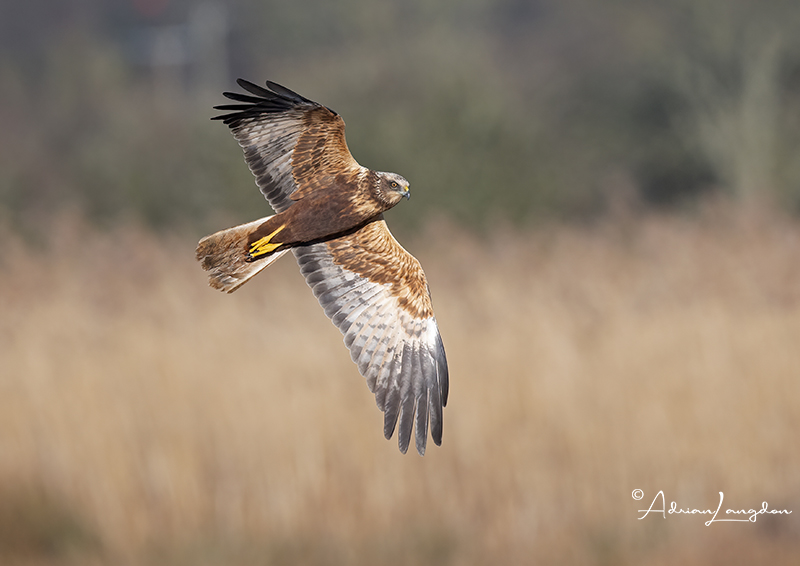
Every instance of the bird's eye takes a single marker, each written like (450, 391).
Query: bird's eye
(394, 185)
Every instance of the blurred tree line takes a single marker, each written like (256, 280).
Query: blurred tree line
(508, 109)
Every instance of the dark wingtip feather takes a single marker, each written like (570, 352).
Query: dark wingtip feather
(434, 401)
(426, 399)
(238, 97)
(233, 107)
(421, 423)
(255, 89)
(285, 92)
(263, 101)
(410, 363)
(391, 412)
(391, 405)
(444, 378)
(406, 422)
(435, 416)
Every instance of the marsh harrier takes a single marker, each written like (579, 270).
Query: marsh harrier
(330, 216)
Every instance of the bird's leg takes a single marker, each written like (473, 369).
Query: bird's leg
(264, 245)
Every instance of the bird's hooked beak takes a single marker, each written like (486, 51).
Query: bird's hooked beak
(406, 192)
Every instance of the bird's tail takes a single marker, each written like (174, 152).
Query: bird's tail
(224, 256)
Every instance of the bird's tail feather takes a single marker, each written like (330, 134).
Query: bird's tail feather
(224, 256)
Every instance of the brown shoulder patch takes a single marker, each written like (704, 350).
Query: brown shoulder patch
(373, 253)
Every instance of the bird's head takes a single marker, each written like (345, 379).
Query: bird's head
(391, 187)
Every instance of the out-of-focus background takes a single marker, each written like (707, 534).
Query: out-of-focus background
(606, 201)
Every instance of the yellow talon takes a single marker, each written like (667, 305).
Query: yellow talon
(263, 246)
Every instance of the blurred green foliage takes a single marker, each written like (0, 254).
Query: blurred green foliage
(492, 109)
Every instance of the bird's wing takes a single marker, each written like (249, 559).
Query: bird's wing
(291, 144)
(375, 292)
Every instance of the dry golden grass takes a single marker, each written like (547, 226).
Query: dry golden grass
(146, 419)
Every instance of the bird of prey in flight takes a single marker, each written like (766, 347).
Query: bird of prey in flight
(329, 214)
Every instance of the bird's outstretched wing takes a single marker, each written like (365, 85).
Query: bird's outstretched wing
(376, 293)
(290, 143)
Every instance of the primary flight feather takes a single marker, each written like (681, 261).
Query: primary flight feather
(330, 215)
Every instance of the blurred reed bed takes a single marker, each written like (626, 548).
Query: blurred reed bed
(146, 419)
